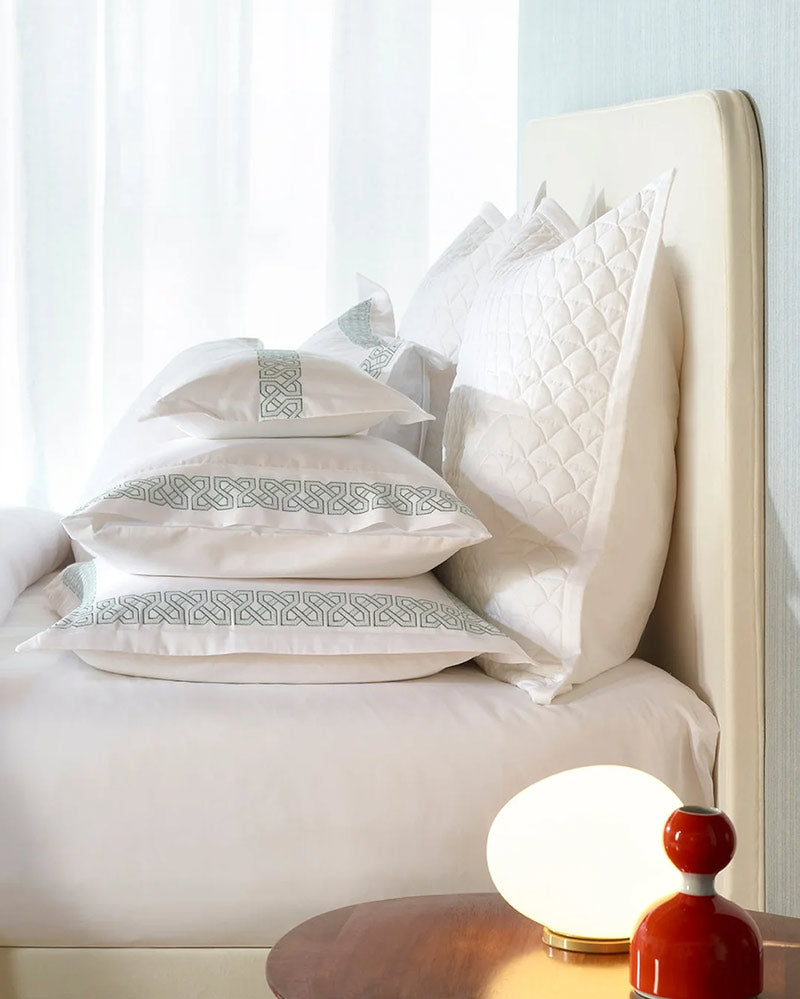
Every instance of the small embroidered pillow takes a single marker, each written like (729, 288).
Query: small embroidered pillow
(240, 390)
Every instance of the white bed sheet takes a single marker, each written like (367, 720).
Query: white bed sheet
(156, 813)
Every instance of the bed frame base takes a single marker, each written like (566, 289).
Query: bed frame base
(132, 973)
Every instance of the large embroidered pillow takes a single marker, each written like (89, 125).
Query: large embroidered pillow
(338, 507)
(247, 391)
(364, 336)
(560, 436)
(436, 316)
(263, 631)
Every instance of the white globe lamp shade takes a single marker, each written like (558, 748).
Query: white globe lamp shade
(581, 852)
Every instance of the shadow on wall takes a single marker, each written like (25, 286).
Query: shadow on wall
(782, 696)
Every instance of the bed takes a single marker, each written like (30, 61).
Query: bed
(158, 837)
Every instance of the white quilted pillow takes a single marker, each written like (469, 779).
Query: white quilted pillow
(436, 316)
(560, 436)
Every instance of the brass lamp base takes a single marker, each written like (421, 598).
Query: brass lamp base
(584, 945)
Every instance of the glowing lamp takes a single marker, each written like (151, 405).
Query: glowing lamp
(581, 852)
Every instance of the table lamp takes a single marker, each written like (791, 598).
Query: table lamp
(581, 853)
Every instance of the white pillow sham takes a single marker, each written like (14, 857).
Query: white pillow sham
(365, 337)
(263, 631)
(436, 316)
(436, 373)
(246, 391)
(560, 435)
(338, 507)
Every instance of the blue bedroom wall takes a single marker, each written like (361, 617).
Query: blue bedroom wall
(578, 54)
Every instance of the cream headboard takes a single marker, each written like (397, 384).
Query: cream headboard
(707, 627)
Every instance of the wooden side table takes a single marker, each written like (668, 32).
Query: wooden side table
(468, 947)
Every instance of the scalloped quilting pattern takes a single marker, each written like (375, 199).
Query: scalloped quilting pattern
(437, 313)
(526, 423)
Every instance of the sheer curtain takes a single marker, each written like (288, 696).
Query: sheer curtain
(179, 170)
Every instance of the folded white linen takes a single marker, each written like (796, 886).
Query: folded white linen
(32, 543)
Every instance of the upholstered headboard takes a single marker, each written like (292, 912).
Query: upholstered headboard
(707, 626)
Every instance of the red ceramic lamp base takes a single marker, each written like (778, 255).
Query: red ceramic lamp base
(696, 944)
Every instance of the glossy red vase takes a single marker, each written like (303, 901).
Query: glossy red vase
(696, 944)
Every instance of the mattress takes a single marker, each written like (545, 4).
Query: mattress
(157, 813)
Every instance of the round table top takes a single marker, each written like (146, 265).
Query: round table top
(468, 947)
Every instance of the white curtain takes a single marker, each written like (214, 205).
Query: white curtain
(179, 170)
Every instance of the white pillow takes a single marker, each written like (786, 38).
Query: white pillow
(560, 436)
(263, 631)
(32, 543)
(339, 507)
(246, 391)
(436, 316)
(365, 337)
(133, 438)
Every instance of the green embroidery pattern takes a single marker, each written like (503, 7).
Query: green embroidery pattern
(357, 328)
(301, 608)
(81, 579)
(226, 492)
(280, 384)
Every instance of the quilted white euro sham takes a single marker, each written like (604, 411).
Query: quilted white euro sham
(553, 439)
(263, 631)
(436, 316)
(333, 507)
(252, 392)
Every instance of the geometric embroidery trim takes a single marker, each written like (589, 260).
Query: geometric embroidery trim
(304, 608)
(356, 326)
(81, 579)
(180, 491)
(280, 384)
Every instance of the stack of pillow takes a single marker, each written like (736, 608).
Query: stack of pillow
(291, 534)
(277, 523)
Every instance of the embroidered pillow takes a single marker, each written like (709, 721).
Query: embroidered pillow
(365, 337)
(246, 391)
(560, 435)
(338, 507)
(263, 631)
(133, 438)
